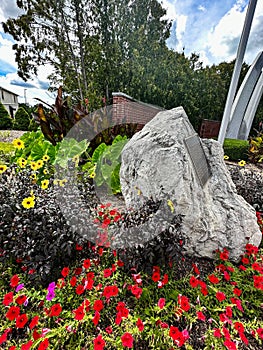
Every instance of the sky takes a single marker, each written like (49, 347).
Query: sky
(209, 28)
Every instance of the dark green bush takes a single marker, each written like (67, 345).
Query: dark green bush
(236, 149)
(22, 120)
(6, 122)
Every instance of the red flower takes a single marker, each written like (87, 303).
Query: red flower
(36, 335)
(226, 276)
(96, 318)
(196, 269)
(127, 340)
(3, 337)
(21, 299)
(110, 291)
(220, 296)
(12, 313)
(44, 344)
(120, 263)
(107, 273)
(108, 329)
(213, 279)
(260, 332)
(258, 282)
(156, 276)
(217, 333)
(224, 255)
(14, 281)
(73, 281)
(237, 292)
(184, 302)
(21, 320)
(78, 271)
(200, 316)
(239, 327)
(34, 322)
(99, 343)
(79, 247)
(243, 338)
(229, 312)
(27, 346)
(161, 303)
(79, 313)
(12, 348)
(140, 325)
(193, 282)
(238, 303)
(86, 264)
(80, 289)
(118, 319)
(98, 305)
(136, 291)
(174, 332)
(55, 310)
(65, 271)
(230, 345)
(8, 298)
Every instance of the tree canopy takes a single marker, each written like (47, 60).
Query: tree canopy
(96, 47)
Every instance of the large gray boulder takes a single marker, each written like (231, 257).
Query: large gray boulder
(157, 164)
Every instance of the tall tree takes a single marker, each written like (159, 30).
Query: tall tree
(89, 43)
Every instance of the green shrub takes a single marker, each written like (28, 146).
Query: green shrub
(236, 149)
(5, 121)
(22, 120)
(6, 149)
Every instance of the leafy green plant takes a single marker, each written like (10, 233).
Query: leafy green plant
(255, 152)
(6, 151)
(108, 161)
(68, 149)
(236, 149)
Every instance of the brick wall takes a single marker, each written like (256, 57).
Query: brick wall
(209, 128)
(132, 111)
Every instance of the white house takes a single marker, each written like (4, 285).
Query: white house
(9, 100)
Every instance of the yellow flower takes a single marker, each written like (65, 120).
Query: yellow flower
(33, 176)
(18, 143)
(33, 166)
(3, 168)
(40, 163)
(226, 157)
(76, 160)
(242, 163)
(56, 182)
(45, 158)
(22, 162)
(45, 171)
(28, 202)
(44, 184)
(62, 182)
(32, 194)
(92, 175)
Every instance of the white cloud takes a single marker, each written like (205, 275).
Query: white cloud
(225, 37)
(229, 28)
(201, 8)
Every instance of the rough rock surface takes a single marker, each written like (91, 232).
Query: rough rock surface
(157, 165)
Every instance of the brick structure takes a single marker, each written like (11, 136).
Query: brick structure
(209, 128)
(132, 111)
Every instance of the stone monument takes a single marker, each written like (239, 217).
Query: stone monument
(167, 161)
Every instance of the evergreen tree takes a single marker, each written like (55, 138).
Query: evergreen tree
(5, 120)
(22, 120)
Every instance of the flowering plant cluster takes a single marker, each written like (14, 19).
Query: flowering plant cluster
(97, 305)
